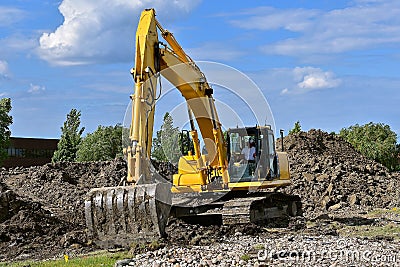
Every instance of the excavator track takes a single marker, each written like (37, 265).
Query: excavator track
(260, 209)
(256, 209)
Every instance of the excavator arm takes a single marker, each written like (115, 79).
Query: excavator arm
(143, 100)
(180, 70)
(122, 214)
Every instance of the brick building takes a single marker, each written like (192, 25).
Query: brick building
(29, 151)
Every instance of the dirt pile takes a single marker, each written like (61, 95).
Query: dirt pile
(165, 169)
(329, 175)
(29, 230)
(42, 208)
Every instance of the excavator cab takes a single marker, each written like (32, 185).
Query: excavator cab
(251, 154)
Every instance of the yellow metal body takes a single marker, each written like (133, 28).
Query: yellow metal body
(179, 69)
(283, 166)
(143, 99)
(183, 73)
(186, 181)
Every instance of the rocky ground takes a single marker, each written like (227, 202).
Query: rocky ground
(349, 203)
(273, 249)
(330, 175)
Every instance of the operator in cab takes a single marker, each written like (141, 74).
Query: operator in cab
(249, 156)
(249, 152)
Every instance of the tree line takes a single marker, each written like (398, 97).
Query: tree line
(105, 143)
(376, 141)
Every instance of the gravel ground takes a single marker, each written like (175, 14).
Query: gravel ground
(277, 250)
(332, 239)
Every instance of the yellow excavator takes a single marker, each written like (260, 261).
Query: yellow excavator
(225, 184)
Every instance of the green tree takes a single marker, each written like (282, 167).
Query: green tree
(166, 143)
(185, 143)
(71, 138)
(296, 129)
(5, 121)
(157, 151)
(375, 141)
(103, 144)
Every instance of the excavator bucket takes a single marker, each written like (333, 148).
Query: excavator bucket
(119, 216)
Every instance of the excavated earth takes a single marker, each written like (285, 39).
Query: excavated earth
(330, 175)
(42, 207)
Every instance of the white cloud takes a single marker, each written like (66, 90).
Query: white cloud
(365, 24)
(4, 72)
(103, 30)
(298, 80)
(10, 15)
(36, 89)
(315, 78)
(284, 91)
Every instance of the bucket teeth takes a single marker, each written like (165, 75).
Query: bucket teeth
(118, 216)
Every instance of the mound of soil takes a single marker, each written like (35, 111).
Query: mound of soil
(42, 207)
(329, 175)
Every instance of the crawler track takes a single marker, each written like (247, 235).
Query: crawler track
(257, 209)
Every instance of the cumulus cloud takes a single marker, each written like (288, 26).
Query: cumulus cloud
(363, 25)
(36, 89)
(4, 72)
(315, 78)
(103, 30)
(306, 79)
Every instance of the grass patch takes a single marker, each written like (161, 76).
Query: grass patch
(245, 257)
(311, 224)
(259, 246)
(379, 212)
(391, 230)
(141, 247)
(98, 259)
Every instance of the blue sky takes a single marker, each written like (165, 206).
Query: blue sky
(328, 64)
